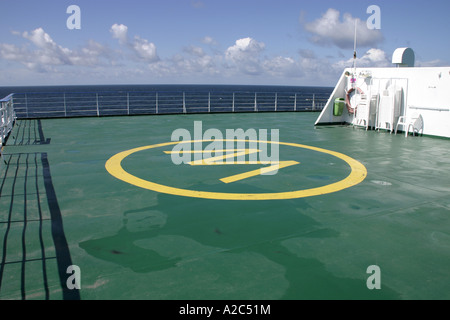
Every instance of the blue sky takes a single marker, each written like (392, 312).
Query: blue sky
(268, 42)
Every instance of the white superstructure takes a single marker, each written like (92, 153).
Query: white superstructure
(403, 97)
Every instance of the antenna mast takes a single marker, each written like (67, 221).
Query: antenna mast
(354, 56)
(354, 46)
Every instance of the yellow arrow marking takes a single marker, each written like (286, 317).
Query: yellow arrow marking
(265, 170)
(219, 160)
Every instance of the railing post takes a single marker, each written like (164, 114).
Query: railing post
(295, 102)
(7, 116)
(9, 109)
(156, 98)
(65, 106)
(26, 104)
(314, 102)
(209, 102)
(232, 109)
(184, 102)
(98, 111)
(128, 103)
(12, 108)
(276, 101)
(256, 102)
(2, 124)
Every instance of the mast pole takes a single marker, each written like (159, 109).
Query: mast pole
(354, 57)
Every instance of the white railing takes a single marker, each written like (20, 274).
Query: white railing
(79, 104)
(7, 118)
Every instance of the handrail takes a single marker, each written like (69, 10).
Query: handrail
(7, 118)
(78, 104)
(429, 109)
(7, 98)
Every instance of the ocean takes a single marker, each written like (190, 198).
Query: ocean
(107, 100)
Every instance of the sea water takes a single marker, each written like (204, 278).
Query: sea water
(102, 100)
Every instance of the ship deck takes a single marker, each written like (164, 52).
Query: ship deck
(61, 207)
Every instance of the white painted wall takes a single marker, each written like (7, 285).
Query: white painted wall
(426, 91)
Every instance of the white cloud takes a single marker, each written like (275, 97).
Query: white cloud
(40, 38)
(373, 58)
(195, 51)
(50, 53)
(142, 48)
(92, 54)
(245, 60)
(244, 55)
(209, 40)
(196, 63)
(120, 32)
(245, 47)
(282, 67)
(47, 54)
(329, 29)
(12, 52)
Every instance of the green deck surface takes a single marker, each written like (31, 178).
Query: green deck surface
(134, 243)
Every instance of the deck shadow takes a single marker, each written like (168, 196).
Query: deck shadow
(33, 242)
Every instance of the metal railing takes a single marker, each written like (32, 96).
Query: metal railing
(79, 104)
(7, 117)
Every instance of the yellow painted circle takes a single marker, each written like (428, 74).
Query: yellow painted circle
(357, 175)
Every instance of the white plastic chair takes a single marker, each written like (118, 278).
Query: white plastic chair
(413, 122)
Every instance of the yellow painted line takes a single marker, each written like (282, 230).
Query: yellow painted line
(207, 163)
(357, 175)
(219, 159)
(205, 151)
(265, 170)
